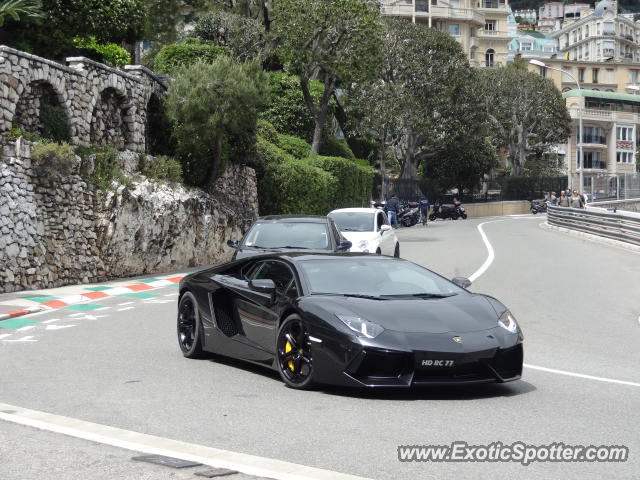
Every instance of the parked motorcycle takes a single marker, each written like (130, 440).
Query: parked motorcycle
(537, 207)
(409, 214)
(444, 212)
(461, 209)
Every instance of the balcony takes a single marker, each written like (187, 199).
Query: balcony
(496, 34)
(628, 55)
(609, 33)
(594, 139)
(492, 4)
(462, 14)
(595, 165)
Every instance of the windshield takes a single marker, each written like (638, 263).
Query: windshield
(288, 235)
(376, 277)
(353, 221)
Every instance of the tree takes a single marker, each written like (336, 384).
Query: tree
(161, 21)
(20, 8)
(214, 108)
(335, 41)
(244, 36)
(527, 112)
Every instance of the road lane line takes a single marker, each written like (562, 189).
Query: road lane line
(125, 303)
(487, 263)
(5, 335)
(581, 375)
(140, 442)
(28, 327)
(23, 339)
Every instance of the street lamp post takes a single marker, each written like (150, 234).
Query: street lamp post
(580, 153)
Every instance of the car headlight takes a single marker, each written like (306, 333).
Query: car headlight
(508, 322)
(363, 244)
(363, 327)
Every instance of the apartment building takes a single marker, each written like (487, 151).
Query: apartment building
(529, 16)
(602, 36)
(609, 140)
(532, 45)
(480, 26)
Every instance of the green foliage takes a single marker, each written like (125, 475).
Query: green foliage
(100, 166)
(52, 159)
(286, 109)
(295, 186)
(55, 123)
(214, 110)
(20, 8)
(244, 36)
(16, 133)
(354, 181)
(336, 147)
(175, 57)
(267, 131)
(294, 146)
(110, 53)
(162, 168)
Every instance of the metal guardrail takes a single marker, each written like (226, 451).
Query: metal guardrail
(617, 226)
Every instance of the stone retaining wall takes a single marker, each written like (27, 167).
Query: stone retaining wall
(58, 230)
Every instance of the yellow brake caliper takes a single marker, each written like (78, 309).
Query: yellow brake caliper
(287, 349)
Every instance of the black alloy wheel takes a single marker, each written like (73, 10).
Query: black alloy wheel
(189, 327)
(295, 363)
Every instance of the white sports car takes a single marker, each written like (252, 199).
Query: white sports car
(368, 229)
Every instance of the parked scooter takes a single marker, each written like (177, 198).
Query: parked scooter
(409, 215)
(444, 212)
(537, 207)
(460, 208)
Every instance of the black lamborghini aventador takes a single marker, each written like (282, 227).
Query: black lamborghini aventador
(348, 319)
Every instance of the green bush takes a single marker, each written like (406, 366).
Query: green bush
(336, 147)
(16, 133)
(267, 131)
(163, 168)
(55, 123)
(105, 166)
(180, 55)
(294, 146)
(354, 181)
(109, 53)
(295, 186)
(244, 36)
(53, 158)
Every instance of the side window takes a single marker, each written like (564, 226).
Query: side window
(276, 271)
(248, 270)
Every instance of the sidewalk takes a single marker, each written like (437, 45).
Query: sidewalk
(17, 304)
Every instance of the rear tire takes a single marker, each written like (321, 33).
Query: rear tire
(432, 217)
(189, 326)
(396, 252)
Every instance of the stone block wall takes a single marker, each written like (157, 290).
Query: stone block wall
(58, 230)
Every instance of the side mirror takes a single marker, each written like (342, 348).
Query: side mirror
(384, 228)
(263, 285)
(345, 245)
(233, 243)
(462, 282)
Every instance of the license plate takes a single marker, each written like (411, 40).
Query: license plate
(435, 363)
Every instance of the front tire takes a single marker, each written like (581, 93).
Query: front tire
(396, 252)
(293, 350)
(189, 326)
(432, 217)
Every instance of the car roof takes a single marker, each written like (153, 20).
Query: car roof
(355, 210)
(292, 219)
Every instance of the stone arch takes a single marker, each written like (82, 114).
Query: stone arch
(112, 119)
(42, 110)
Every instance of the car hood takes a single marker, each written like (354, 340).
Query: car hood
(355, 237)
(461, 313)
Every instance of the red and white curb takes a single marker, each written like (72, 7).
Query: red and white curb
(21, 312)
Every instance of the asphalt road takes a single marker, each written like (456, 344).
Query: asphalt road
(578, 303)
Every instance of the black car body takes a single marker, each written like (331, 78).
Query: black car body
(288, 233)
(267, 310)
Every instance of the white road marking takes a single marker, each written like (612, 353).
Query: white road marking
(487, 263)
(23, 339)
(74, 315)
(139, 442)
(102, 308)
(581, 375)
(90, 317)
(125, 303)
(52, 320)
(24, 329)
(5, 335)
(125, 309)
(116, 291)
(174, 294)
(58, 327)
(154, 300)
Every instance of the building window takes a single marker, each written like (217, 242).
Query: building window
(624, 134)
(581, 75)
(609, 76)
(594, 75)
(608, 29)
(625, 157)
(490, 25)
(526, 47)
(635, 75)
(591, 160)
(489, 58)
(454, 29)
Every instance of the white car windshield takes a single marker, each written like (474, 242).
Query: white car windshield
(353, 221)
(373, 276)
(288, 235)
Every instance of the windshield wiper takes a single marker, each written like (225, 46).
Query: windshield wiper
(295, 246)
(423, 295)
(352, 295)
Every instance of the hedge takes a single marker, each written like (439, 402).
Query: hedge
(295, 186)
(354, 180)
(336, 147)
(177, 55)
(294, 146)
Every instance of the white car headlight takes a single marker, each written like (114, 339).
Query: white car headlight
(508, 322)
(362, 327)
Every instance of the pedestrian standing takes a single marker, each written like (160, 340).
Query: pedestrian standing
(576, 200)
(393, 205)
(563, 200)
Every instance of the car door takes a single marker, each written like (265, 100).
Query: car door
(387, 242)
(259, 318)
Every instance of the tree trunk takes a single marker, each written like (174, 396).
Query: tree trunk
(317, 133)
(342, 118)
(383, 166)
(214, 170)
